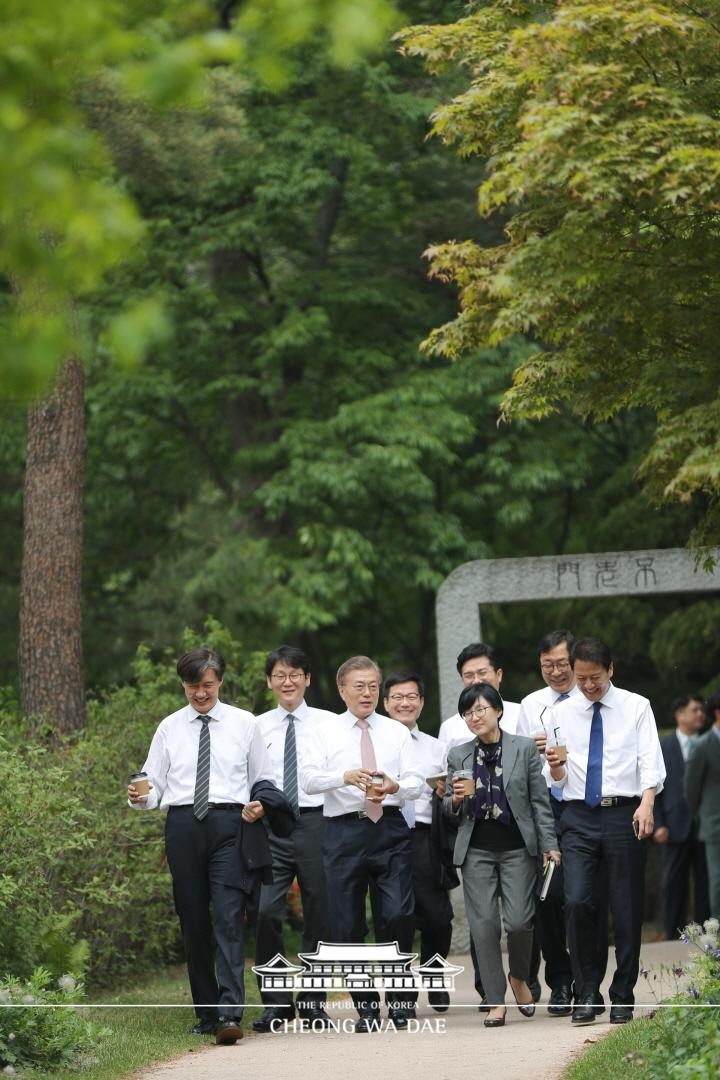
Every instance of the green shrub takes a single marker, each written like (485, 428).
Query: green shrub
(41, 1037)
(684, 1041)
(84, 883)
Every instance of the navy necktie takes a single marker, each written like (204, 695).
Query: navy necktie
(555, 790)
(593, 778)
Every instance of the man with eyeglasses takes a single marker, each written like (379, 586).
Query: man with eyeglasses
(613, 771)
(404, 698)
(536, 722)
(363, 764)
(288, 732)
(478, 663)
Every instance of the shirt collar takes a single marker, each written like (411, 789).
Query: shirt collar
(216, 713)
(300, 713)
(608, 699)
(352, 719)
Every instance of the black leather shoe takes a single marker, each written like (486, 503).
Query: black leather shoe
(584, 1011)
(535, 990)
(313, 1014)
(525, 1009)
(227, 1030)
(560, 1003)
(367, 1022)
(599, 1003)
(264, 1021)
(483, 1006)
(621, 1014)
(400, 1016)
(203, 1027)
(439, 1000)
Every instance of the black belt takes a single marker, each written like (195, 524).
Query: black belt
(310, 810)
(212, 806)
(611, 800)
(354, 815)
(422, 825)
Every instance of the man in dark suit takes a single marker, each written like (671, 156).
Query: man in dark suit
(702, 788)
(682, 852)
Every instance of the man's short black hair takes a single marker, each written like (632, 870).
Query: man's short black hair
(478, 649)
(683, 701)
(192, 665)
(290, 655)
(397, 677)
(554, 638)
(593, 651)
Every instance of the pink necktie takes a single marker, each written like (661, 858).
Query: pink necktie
(373, 810)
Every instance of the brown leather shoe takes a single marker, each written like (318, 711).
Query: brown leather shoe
(227, 1031)
(495, 1021)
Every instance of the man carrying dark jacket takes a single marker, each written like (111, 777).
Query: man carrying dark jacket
(204, 762)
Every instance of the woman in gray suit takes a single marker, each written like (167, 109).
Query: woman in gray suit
(503, 827)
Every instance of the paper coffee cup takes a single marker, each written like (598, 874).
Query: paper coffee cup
(140, 782)
(375, 786)
(468, 781)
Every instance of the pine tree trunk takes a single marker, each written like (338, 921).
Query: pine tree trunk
(50, 651)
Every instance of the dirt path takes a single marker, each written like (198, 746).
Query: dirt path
(444, 1045)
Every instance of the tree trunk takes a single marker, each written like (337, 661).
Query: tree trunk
(50, 653)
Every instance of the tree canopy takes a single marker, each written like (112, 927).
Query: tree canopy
(599, 128)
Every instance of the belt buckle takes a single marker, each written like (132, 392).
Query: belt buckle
(607, 801)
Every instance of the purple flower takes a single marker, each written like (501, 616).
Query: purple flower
(678, 971)
(695, 993)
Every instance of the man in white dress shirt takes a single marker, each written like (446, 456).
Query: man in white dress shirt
(614, 770)
(404, 698)
(202, 765)
(366, 836)
(288, 732)
(536, 720)
(478, 663)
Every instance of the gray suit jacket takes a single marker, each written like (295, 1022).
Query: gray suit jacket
(702, 784)
(525, 790)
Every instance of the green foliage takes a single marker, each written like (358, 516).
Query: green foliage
(598, 123)
(66, 221)
(42, 1037)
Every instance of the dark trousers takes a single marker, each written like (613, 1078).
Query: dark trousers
(199, 853)
(299, 855)
(591, 837)
(550, 930)
(357, 852)
(679, 863)
(433, 910)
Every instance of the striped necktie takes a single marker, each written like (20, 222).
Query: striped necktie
(290, 777)
(202, 776)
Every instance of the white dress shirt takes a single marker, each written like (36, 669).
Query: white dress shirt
(455, 731)
(686, 741)
(336, 750)
(632, 758)
(429, 758)
(237, 757)
(273, 725)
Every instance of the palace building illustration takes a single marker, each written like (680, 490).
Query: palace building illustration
(357, 967)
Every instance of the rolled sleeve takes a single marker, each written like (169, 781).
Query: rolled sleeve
(651, 764)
